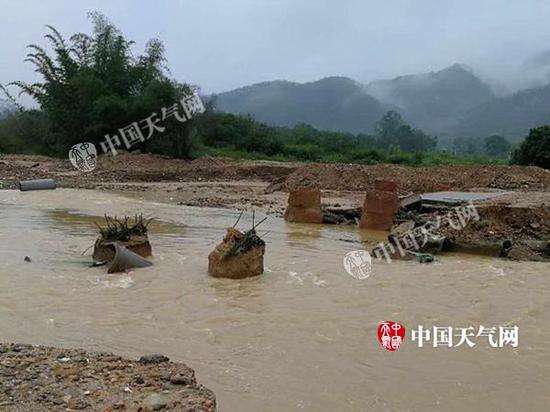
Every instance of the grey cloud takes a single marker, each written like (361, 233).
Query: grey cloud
(220, 45)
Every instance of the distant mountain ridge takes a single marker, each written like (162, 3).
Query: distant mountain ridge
(510, 116)
(332, 103)
(452, 102)
(434, 101)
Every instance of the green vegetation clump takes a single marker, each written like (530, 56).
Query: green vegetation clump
(243, 242)
(240, 137)
(94, 85)
(535, 149)
(124, 229)
(497, 146)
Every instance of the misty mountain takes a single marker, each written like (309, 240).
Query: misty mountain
(452, 102)
(332, 103)
(510, 116)
(433, 101)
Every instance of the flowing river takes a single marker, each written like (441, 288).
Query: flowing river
(301, 337)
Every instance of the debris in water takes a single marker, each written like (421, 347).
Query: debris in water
(129, 233)
(239, 255)
(27, 259)
(422, 257)
(125, 259)
(341, 216)
(39, 184)
(506, 248)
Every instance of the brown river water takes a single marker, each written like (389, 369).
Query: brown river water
(302, 337)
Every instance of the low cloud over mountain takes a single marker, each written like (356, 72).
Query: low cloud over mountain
(450, 102)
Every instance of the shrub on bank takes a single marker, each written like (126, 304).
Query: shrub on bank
(535, 149)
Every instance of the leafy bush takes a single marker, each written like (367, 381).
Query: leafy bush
(93, 85)
(123, 229)
(535, 149)
(497, 146)
(223, 134)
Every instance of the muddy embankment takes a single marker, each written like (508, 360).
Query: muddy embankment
(519, 222)
(262, 185)
(38, 378)
(521, 216)
(143, 168)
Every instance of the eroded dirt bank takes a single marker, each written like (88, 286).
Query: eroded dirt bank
(514, 225)
(281, 175)
(261, 185)
(520, 217)
(39, 378)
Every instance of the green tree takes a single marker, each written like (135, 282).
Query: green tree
(467, 145)
(393, 132)
(497, 146)
(25, 132)
(535, 149)
(387, 128)
(93, 85)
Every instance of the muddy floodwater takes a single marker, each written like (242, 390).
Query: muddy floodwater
(302, 337)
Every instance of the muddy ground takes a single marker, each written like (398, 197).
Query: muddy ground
(523, 219)
(37, 378)
(281, 175)
(264, 185)
(261, 185)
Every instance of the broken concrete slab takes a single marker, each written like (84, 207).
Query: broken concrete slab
(402, 228)
(409, 201)
(456, 198)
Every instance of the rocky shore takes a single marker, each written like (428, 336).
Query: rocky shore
(39, 378)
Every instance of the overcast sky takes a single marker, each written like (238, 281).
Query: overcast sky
(223, 44)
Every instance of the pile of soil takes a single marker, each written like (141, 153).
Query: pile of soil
(38, 378)
(26, 167)
(135, 167)
(418, 179)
